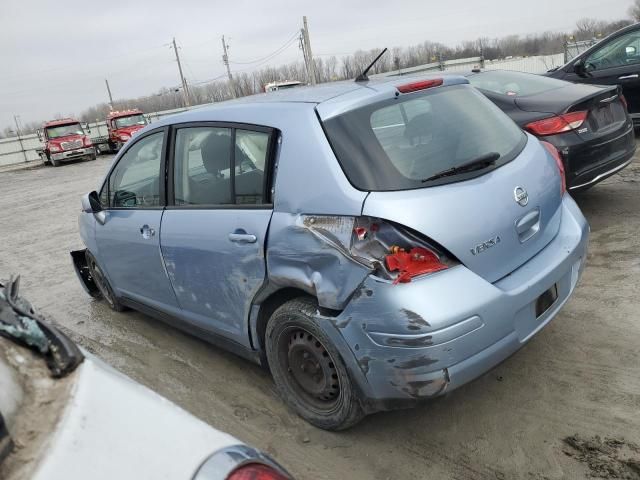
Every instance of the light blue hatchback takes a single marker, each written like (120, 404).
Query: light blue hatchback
(372, 243)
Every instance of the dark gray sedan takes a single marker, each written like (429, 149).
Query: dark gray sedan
(588, 124)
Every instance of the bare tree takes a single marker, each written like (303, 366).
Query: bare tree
(634, 11)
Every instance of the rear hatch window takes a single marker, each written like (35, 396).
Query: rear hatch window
(515, 84)
(402, 142)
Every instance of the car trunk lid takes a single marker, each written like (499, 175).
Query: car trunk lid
(604, 106)
(480, 221)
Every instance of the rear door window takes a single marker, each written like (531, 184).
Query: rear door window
(221, 166)
(398, 144)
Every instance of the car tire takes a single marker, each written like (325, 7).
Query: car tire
(94, 155)
(307, 368)
(103, 284)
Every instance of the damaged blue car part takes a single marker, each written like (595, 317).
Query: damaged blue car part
(373, 243)
(20, 323)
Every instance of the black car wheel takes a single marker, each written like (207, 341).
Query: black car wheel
(308, 370)
(103, 284)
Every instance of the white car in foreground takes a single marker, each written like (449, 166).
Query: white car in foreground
(64, 414)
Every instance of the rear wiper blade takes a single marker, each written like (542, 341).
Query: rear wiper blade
(474, 164)
(20, 322)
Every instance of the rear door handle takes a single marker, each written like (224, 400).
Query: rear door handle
(241, 236)
(628, 77)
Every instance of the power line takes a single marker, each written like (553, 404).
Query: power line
(272, 54)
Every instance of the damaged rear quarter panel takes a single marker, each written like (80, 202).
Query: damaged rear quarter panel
(304, 256)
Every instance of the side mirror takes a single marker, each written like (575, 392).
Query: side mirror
(580, 69)
(91, 204)
(87, 128)
(39, 133)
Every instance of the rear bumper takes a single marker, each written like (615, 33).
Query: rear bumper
(422, 339)
(587, 163)
(88, 152)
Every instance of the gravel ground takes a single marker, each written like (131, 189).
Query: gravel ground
(578, 378)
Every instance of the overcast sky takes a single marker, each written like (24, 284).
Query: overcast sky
(56, 54)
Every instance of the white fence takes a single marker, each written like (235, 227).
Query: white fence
(13, 151)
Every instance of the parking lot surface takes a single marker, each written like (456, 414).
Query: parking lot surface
(580, 376)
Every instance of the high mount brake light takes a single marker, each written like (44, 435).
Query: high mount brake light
(422, 85)
(256, 471)
(556, 155)
(557, 124)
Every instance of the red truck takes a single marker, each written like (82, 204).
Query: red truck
(64, 140)
(121, 125)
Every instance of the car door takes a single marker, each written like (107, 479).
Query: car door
(128, 241)
(614, 62)
(213, 231)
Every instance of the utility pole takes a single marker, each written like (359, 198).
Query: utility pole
(109, 91)
(225, 60)
(15, 119)
(308, 56)
(185, 90)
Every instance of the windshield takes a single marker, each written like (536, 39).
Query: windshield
(130, 121)
(396, 144)
(64, 130)
(514, 83)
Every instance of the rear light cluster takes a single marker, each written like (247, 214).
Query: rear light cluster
(556, 155)
(393, 252)
(557, 124)
(256, 471)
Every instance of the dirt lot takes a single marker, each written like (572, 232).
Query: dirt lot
(534, 417)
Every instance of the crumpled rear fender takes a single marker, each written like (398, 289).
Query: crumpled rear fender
(79, 258)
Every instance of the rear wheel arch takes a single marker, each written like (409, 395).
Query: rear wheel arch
(270, 305)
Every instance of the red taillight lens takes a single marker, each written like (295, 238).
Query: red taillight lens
(417, 261)
(415, 86)
(623, 100)
(556, 155)
(557, 124)
(256, 471)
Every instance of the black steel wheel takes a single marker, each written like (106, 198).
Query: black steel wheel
(307, 368)
(103, 284)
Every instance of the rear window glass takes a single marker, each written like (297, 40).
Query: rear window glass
(397, 144)
(514, 83)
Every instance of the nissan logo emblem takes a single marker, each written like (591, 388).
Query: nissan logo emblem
(521, 196)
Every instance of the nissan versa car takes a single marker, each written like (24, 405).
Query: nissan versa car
(66, 415)
(588, 124)
(373, 243)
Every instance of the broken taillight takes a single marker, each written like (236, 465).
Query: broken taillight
(390, 251)
(415, 262)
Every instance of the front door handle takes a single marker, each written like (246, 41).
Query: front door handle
(147, 232)
(628, 77)
(240, 236)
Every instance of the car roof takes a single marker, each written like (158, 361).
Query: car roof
(334, 96)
